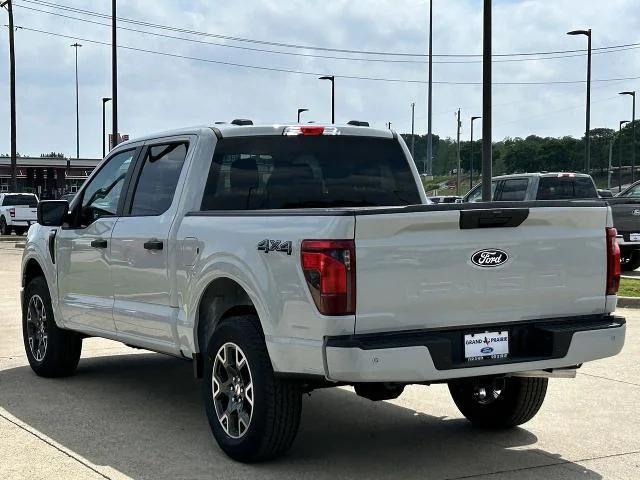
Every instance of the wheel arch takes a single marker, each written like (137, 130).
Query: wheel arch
(31, 270)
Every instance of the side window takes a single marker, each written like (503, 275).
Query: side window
(102, 194)
(476, 196)
(632, 193)
(514, 190)
(158, 179)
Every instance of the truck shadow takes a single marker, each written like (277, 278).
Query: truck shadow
(142, 415)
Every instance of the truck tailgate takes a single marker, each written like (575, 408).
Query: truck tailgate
(416, 270)
(25, 214)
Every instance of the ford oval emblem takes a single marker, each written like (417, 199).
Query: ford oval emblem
(489, 257)
(486, 350)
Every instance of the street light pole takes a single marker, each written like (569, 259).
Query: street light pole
(76, 46)
(458, 154)
(430, 96)
(633, 133)
(413, 138)
(622, 122)
(104, 133)
(471, 159)
(300, 110)
(12, 94)
(114, 74)
(587, 160)
(487, 164)
(333, 95)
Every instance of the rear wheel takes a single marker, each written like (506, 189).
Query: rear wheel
(4, 228)
(51, 351)
(499, 403)
(254, 415)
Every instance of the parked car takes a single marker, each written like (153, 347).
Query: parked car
(537, 186)
(17, 212)
(626, 217)
(281, 259)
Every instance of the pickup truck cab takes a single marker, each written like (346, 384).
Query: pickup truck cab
(537, 186)
(17, 212)
(285, 258)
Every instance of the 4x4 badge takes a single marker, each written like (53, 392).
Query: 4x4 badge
(267, 246)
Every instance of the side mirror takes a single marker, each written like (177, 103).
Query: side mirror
(52, 213)
(602, 193)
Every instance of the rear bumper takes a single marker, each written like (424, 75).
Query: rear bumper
(434, 355)
(22, 223)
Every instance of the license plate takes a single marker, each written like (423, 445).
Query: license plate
(486, 346)
(634, 237)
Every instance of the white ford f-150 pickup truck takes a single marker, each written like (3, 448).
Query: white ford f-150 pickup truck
(17, 212)
(285, 258)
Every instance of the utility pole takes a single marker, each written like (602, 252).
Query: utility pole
(12, 88)
(633, 134)
(587, 138)
(114, 73)
(300, 110)
(471, 157)
(609, 170)
(332, 78)
(458, 154)
(76, 46)
(487, 164)
(429, 95)
(413, 138)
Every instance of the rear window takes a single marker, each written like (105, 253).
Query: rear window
(558, 188)
(20, 201)
(276, 172)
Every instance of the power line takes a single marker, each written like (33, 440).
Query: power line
(331, 57)
(302, 72)
(307, 47)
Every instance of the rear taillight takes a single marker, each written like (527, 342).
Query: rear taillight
(613, 261)
(12, 212)
(329, 268)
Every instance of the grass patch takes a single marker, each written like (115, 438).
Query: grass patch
(629, 288)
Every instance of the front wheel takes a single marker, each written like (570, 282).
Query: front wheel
(499, 403)
(51, 351)
(254, 415)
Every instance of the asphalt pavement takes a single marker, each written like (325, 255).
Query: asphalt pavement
(135, 414)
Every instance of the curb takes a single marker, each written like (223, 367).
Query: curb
(628, 302)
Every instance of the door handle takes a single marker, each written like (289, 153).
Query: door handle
(99, 243)
(153, 244)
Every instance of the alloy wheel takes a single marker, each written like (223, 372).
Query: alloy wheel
(232, 390)
(37, 331)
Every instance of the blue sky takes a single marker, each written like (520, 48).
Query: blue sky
(159, 92)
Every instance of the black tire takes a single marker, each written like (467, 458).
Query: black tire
(4, 228)
(20, 230)
(517, 402)
(277, 403)
(61, 352)
(629, 260)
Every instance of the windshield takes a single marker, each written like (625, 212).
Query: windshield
(559, 188)
(18, 200)
(275, 172)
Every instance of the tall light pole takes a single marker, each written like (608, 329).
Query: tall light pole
(430, 96)
(76, 46)
(487, 164)
(633, 133)
(587, 159)
(471, 159)
(458, 154)
(413, 137)
(300, 110)
(12, 94)
(333, 95)
(114, 73)
(104, 133)
(622, 122)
